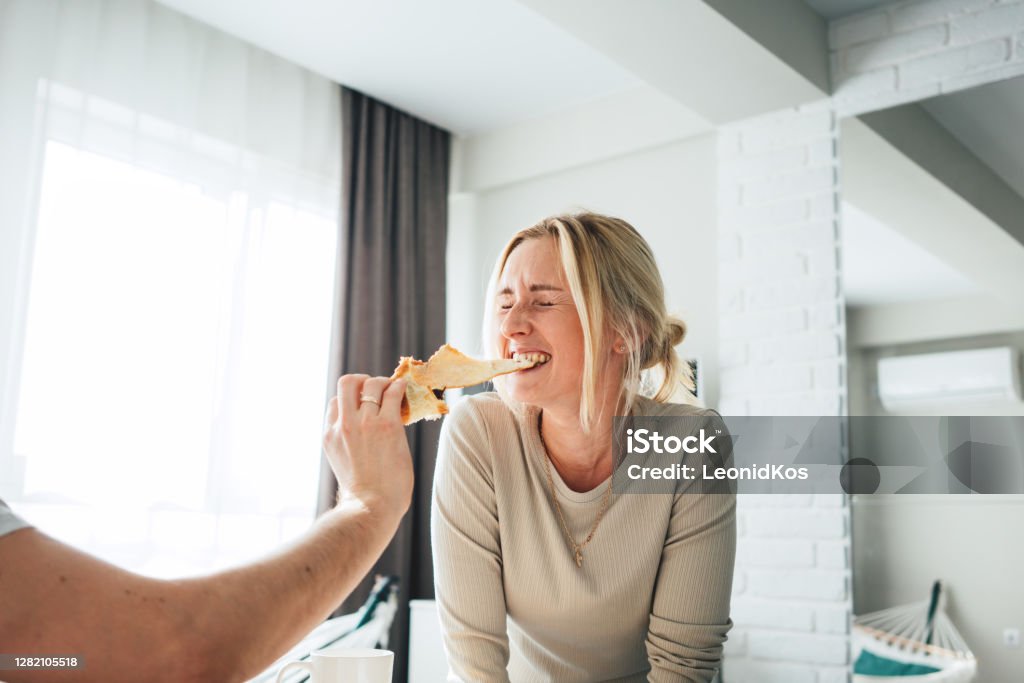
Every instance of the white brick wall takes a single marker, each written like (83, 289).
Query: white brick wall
(792, 522)
(782, 323)
(789, 647)
(812, 584)
(913, 50)
(782, 337)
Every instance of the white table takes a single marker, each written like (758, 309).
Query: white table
(427, 662)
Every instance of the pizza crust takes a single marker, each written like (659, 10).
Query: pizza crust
(448, 368)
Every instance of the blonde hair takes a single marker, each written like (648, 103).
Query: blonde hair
(615, 284)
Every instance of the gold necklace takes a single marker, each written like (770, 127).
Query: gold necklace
(576, 547)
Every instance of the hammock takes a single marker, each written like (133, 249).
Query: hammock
(914, 642)
(367, 628)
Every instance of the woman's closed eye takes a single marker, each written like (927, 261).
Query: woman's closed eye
(507, 305)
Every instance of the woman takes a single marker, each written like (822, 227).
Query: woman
(541, 574)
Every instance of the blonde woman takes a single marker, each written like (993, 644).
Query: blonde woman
(541, 572)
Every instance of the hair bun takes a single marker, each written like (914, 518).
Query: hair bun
(675, 331)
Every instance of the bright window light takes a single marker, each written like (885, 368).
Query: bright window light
(174, 366)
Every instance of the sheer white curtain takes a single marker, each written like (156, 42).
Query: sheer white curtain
(168, 204)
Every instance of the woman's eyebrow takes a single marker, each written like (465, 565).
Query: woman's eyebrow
(539, 287)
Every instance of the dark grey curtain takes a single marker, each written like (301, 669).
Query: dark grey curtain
(390, 302)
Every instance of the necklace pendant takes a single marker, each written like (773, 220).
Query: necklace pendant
(579, 557)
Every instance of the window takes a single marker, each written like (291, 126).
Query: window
(174, 359)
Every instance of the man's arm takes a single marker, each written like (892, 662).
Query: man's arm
(230, 625)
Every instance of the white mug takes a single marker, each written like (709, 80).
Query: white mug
(344, 666)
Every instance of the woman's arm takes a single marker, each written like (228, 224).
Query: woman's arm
(690, 611)
(467, 552)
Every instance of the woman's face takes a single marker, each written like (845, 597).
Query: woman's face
(535, 312)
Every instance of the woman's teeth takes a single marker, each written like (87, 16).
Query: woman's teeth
(536, 358)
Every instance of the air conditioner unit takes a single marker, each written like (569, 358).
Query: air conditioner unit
(948, 379)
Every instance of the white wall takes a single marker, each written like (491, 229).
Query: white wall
(667, 193)
(903, 543)
(782, 338)
(895, 54)
(973, 543)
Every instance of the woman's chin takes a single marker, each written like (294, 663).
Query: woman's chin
(518, 394)
(523, 391)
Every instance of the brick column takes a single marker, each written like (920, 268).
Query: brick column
(910, 51)
(782, 333)
(782, 314)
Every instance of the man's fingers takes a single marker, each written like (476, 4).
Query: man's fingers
(331, 416)
(349, 388)
(391, 406)
(373, 390)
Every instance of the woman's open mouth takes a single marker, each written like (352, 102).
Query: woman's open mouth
(535, 358)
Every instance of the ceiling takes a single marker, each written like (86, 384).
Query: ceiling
(466, 65)
(835, 9)
(988, 121)
(469, 66)
(881, 266)
(478, 66)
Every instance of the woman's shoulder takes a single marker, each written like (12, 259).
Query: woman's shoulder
(484, 414)
(485, 405)
(480, 429)
(485, 400)
(648, 407)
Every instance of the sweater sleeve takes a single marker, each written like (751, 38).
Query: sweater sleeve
(467, 551)
(690, 611)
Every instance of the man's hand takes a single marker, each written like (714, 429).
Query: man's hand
(366, 444)
(54, 598)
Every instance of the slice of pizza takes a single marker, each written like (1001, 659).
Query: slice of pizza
(449, 368)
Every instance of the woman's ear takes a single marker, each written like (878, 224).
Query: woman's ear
(619, 346)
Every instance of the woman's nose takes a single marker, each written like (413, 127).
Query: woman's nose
(515, 321)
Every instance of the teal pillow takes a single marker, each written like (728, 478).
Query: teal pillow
(869, 664)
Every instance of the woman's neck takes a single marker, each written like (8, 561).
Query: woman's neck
(582, 460)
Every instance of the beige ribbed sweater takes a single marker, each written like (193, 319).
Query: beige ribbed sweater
(651, 602)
